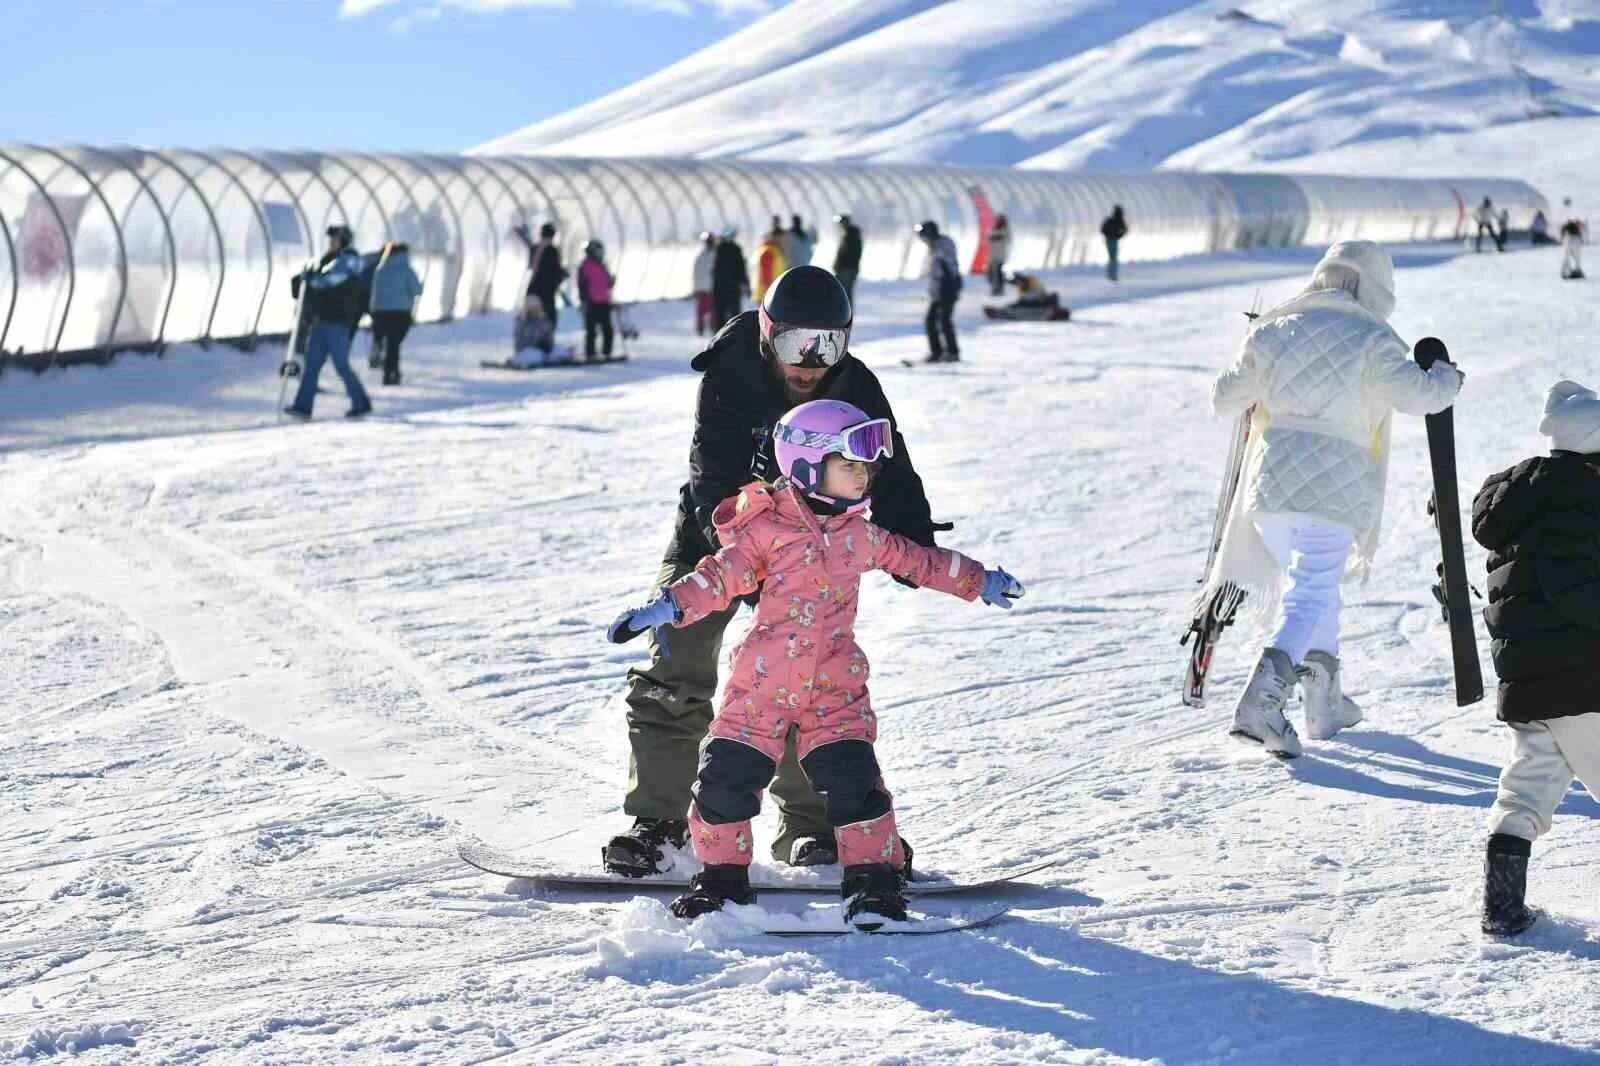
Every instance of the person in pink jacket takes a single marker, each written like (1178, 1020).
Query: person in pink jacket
(804, 542)
(594, 297)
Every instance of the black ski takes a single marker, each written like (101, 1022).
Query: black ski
(1446, 508)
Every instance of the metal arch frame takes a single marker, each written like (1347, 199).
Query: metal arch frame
(650, 170)
(447, 305)
(910, 191)
(266, 230)
(735, 208)
(885, 185)
(753, 180)
(66, 243)
(588, 169)
(354, 174)
(522, 164)
(266, 236)
(116, 229)
(190, 185)
(377, 161)
(313, 174)
(16, 286)
(458, 164)
(609, 167)
(159, 340)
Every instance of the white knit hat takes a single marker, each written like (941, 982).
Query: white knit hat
(1571, 418)
(1376, 270)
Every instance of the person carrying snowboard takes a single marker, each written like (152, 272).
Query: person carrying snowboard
(805, 542)
(1540, 521)
(333, 301)
(1322, 372)
(794, 349)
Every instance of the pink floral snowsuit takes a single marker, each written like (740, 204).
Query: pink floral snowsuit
(799, 666)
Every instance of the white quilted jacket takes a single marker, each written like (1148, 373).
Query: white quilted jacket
(1327, 372)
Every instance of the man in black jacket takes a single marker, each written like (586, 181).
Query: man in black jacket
(730, 279)
(760, 364)
(1540, 521)
(847, 260)
(544, 267)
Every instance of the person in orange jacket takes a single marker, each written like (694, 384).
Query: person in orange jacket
(769, 262)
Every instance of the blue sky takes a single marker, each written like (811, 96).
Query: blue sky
(433, 75)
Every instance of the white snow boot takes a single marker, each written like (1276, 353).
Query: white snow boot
(1328, 709)
(1259, 719)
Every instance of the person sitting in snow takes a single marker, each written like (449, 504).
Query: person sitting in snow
(1032, 291)
(804, 542)
(1321, 373)
(1540, 521)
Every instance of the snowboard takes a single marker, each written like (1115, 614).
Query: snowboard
(916, 925)
(822, 879)
(1015, 313)
(293, 364)
(1446, 508)
(569, 358)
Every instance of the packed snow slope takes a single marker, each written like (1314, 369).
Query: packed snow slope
(1094, 83)
(256, 682)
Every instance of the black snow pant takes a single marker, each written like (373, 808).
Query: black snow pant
(1494, 235)
(940, 324)
(725, 304)
(597, 317)
(845, 774)
(389, 329)
(547, 300)
(997, 277)
(1111, 258)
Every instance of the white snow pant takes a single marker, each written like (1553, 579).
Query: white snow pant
(1546, 757)
(1570, 259)
(1313, 554)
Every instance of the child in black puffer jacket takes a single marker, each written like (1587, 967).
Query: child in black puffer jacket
(1540, 521)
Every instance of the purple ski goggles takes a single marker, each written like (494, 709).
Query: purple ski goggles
(864, 442)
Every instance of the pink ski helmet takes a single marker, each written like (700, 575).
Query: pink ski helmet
(803, 439)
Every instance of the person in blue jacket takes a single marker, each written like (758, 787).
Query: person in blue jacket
(333, 301)
(395, 289)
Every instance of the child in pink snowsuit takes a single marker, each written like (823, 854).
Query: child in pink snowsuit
(804, 544)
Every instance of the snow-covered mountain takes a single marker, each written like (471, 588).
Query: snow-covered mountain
(1096, 83)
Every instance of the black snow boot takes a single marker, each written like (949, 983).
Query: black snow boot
(637, 853)
(814, 851)
(873, 894)
(717, 884)
(1505, 883)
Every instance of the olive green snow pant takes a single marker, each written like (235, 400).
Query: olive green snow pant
(669, 712)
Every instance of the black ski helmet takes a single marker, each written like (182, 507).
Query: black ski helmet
(927, 229)
(341, 233)
(806, 298)
(547, 230)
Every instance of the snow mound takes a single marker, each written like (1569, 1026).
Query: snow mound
(1093, 83)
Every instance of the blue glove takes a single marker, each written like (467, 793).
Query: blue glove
(1000, 588)
(660, 611)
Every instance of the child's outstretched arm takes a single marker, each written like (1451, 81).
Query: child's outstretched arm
(714, 583)
(943, 569)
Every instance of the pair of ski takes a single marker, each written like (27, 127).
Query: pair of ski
(1218, 611)
(504, 863)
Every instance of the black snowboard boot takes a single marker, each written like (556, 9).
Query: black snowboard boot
(1505, 883)
(637, 853)
(814, 851)
(872, 895)
(717, 884)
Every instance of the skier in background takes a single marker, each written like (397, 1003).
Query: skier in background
(1322, 372)
(1539, 229)
(999, 250)
(770, 261)
(942, 270)
(1113, 229)
(594, 297)
(393, 302)
(760, 365)
(1540, 521)
(1486, 219)
(333, 301)
(847, 260)
(730, 279)
(703, 264)
(798, 243)
(1572, 248)
(544, 267)
(800, 668)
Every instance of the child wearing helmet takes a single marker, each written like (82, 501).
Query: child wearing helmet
(804, 541)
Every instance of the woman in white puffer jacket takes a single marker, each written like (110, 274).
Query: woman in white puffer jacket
(1323, 372)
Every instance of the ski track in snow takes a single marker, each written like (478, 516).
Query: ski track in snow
(260, 680)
